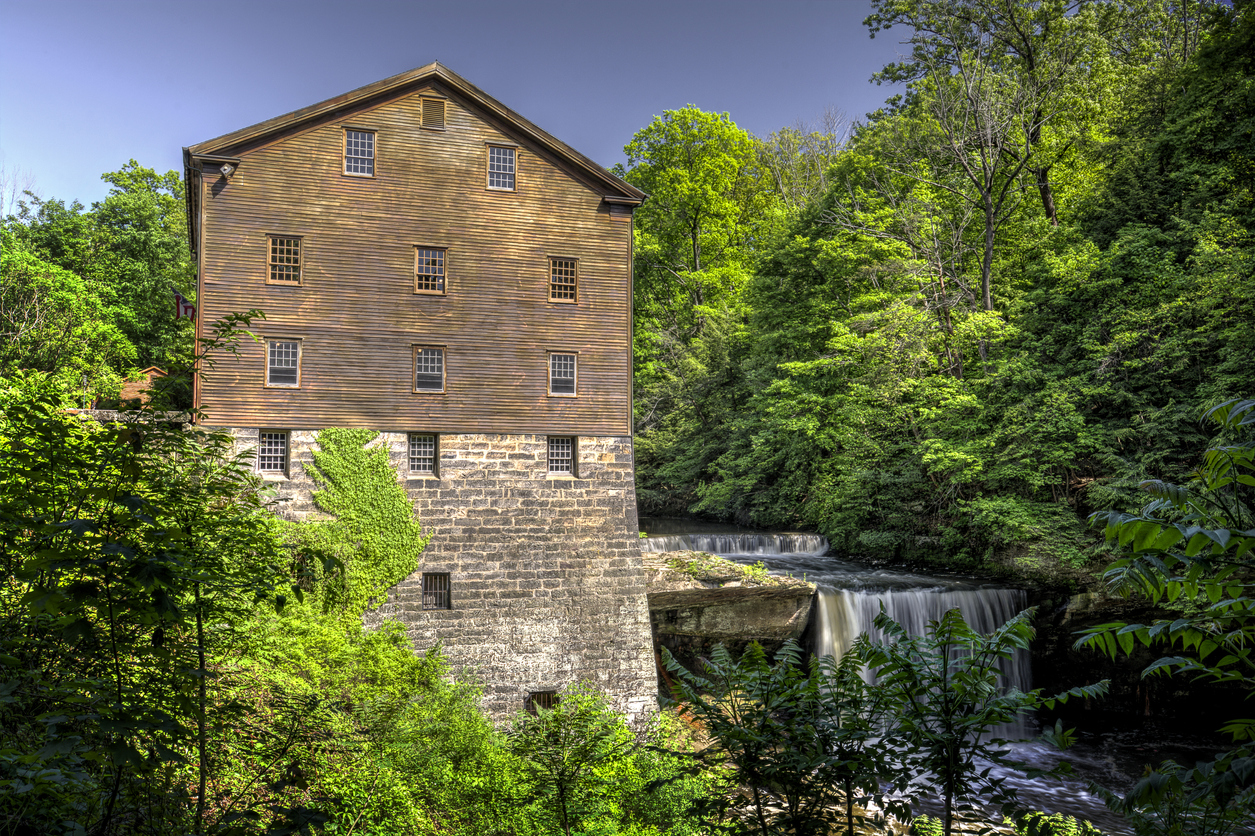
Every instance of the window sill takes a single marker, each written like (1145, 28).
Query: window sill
(570, 477)
(269, 476)
(420, 480)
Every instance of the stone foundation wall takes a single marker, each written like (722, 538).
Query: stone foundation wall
(545, 571)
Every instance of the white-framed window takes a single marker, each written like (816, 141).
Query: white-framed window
(283, 363)
(501, 168)
(562, 373)
(428, 369)
(359, 152)
(563, 279)
(285, 260)
(562, 455)
(429, 270)
(424, 450)
(272, 452)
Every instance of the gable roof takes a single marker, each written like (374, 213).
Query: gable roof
(227, 146)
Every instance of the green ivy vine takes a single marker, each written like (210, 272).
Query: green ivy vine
(375, 539)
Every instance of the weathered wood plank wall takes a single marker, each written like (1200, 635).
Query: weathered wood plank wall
(356, 312)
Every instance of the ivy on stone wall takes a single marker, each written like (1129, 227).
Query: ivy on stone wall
(374, 535)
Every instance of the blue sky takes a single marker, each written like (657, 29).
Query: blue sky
(86, 85)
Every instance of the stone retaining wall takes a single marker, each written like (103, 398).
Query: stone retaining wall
(545, 571)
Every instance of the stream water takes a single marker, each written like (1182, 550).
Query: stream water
(852, 594)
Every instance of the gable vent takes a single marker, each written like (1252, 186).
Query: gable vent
(433, 113)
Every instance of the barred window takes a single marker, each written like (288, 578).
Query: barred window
(422, 453)
(359, 152)
(436, 591)
(562, 279)
(285, 260)
(500, 168)
(562, 454)
(562, 374)
(272, 452)
(283, 366)
(429, 270)
(428, 369)
(547, 700)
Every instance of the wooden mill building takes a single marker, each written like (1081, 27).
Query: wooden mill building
(435, 267)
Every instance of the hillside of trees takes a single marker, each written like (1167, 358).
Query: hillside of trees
(949, 333)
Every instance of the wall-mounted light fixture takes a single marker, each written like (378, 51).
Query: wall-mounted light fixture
(227, 170)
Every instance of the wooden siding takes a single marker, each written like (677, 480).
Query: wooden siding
(356, 311)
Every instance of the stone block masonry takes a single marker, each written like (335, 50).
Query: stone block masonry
(546, 587)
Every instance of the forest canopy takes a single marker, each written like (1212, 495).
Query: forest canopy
(1015, 288)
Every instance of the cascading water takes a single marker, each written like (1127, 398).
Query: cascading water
(850, 597)
(740, 545)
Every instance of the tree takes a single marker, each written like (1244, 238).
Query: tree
(130, 549)
(709, 203)
(798, 158)
(998, 92)
(132, 248)
(54, 321)
(564, 747)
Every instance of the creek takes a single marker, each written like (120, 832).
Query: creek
(850, 595)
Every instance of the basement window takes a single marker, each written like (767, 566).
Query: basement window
(423, 454)
(436, 591)
(562, 449)
(547, 700)
(272, 452)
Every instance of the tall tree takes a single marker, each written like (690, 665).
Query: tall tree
(998, 93)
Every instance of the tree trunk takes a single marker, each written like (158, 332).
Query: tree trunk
(1042, 176)
(987, 261)
(849, 808)
(202, 762)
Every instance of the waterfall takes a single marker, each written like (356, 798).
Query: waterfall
(850, 594)
(735, 545)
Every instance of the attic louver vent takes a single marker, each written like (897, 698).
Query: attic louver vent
(433, 113)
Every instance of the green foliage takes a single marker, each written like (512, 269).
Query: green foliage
(856, 384)
(374, 538)
(799, 737)
(129, 551)
(54, 321)
(120, 262)
(1193, 548)
(1040, 824)
(944, 695)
